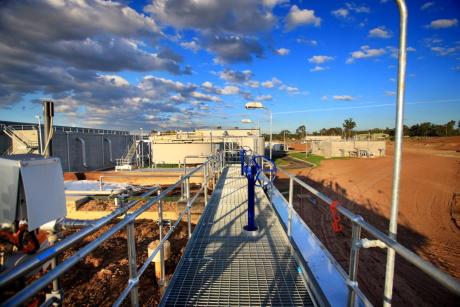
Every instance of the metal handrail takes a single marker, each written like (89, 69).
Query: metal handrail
(359, 222)
(71, 240)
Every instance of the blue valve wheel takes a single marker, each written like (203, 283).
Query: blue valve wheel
(265, 181)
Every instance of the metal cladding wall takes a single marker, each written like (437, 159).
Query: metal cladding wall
(68, 148)
(174, 153)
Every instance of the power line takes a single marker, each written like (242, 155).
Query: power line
(369, 106)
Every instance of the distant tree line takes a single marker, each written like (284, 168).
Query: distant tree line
(424, 129)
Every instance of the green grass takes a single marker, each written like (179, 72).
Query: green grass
(315, 159)
(165, 165)
(281, 162)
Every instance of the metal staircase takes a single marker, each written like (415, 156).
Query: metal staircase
(27, 145)
(128, 159)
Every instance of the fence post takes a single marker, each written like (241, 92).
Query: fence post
(132, 263)
(353, 265)
(162, 253)
(291, 197)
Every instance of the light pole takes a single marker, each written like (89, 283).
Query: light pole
(258, 105)
(39, 134)
(142, 148)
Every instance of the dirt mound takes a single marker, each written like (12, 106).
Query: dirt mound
(429, 181)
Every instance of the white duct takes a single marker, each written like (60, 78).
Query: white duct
(83, 151)
(110, 148)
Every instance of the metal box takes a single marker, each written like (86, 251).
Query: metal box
(32, 189)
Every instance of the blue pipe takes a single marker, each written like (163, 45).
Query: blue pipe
(251, 172)
(242, 155)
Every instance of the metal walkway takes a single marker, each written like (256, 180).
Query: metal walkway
(223, 266)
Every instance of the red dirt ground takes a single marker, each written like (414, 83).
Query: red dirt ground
(430, 178)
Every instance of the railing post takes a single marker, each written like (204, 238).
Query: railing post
(189, 220)
(162, 257)
(56, 290)
(399, 134)
(205, 183)
(214, 174)
(291, 197)
(132, 263)
(353, 265)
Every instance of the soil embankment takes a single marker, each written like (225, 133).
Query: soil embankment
(430, 180)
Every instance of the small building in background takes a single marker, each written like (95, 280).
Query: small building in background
(348, 148)
(172, 148)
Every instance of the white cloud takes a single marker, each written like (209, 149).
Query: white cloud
(298, 17)
(358, 9)
(342, 97)
(442, 51)
(317, 68)
(365, 52)
(411, 49)
(324, 98)
(443, 23)
(289, 89)
(216, 16)
(207, 85)
(390, 93)
(268, 84)
(320, 59)
(253, 83)
(236, 76)
(272, 3)
(345, 12)
(426, 5)
(282, 51)
(204, 97)
(271, 83)
(264, 97)
(380, 32)
(114, 80)
(230, 90)
(192, 45)
(303, 40)
(341, 13)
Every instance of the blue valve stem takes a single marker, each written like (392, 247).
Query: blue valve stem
(251, 226)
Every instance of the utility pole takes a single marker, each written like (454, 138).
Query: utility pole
(284, 147)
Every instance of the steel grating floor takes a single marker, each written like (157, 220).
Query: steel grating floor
(223, 266)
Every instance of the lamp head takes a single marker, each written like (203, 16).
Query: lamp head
(254, 105)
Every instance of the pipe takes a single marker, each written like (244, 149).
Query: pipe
(48, 114)
(40, 143)
(68, 151)
(393, 228)
(110, 148)
(83, 151)
(73, 223)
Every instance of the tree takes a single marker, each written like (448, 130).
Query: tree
(301, 131)
(349, 124)
(450, 127)
(282, 132)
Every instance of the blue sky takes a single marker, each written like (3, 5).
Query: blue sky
(182, 64)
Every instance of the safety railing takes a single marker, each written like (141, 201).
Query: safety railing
(381, 240)
(212, 169)
(29, 126)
